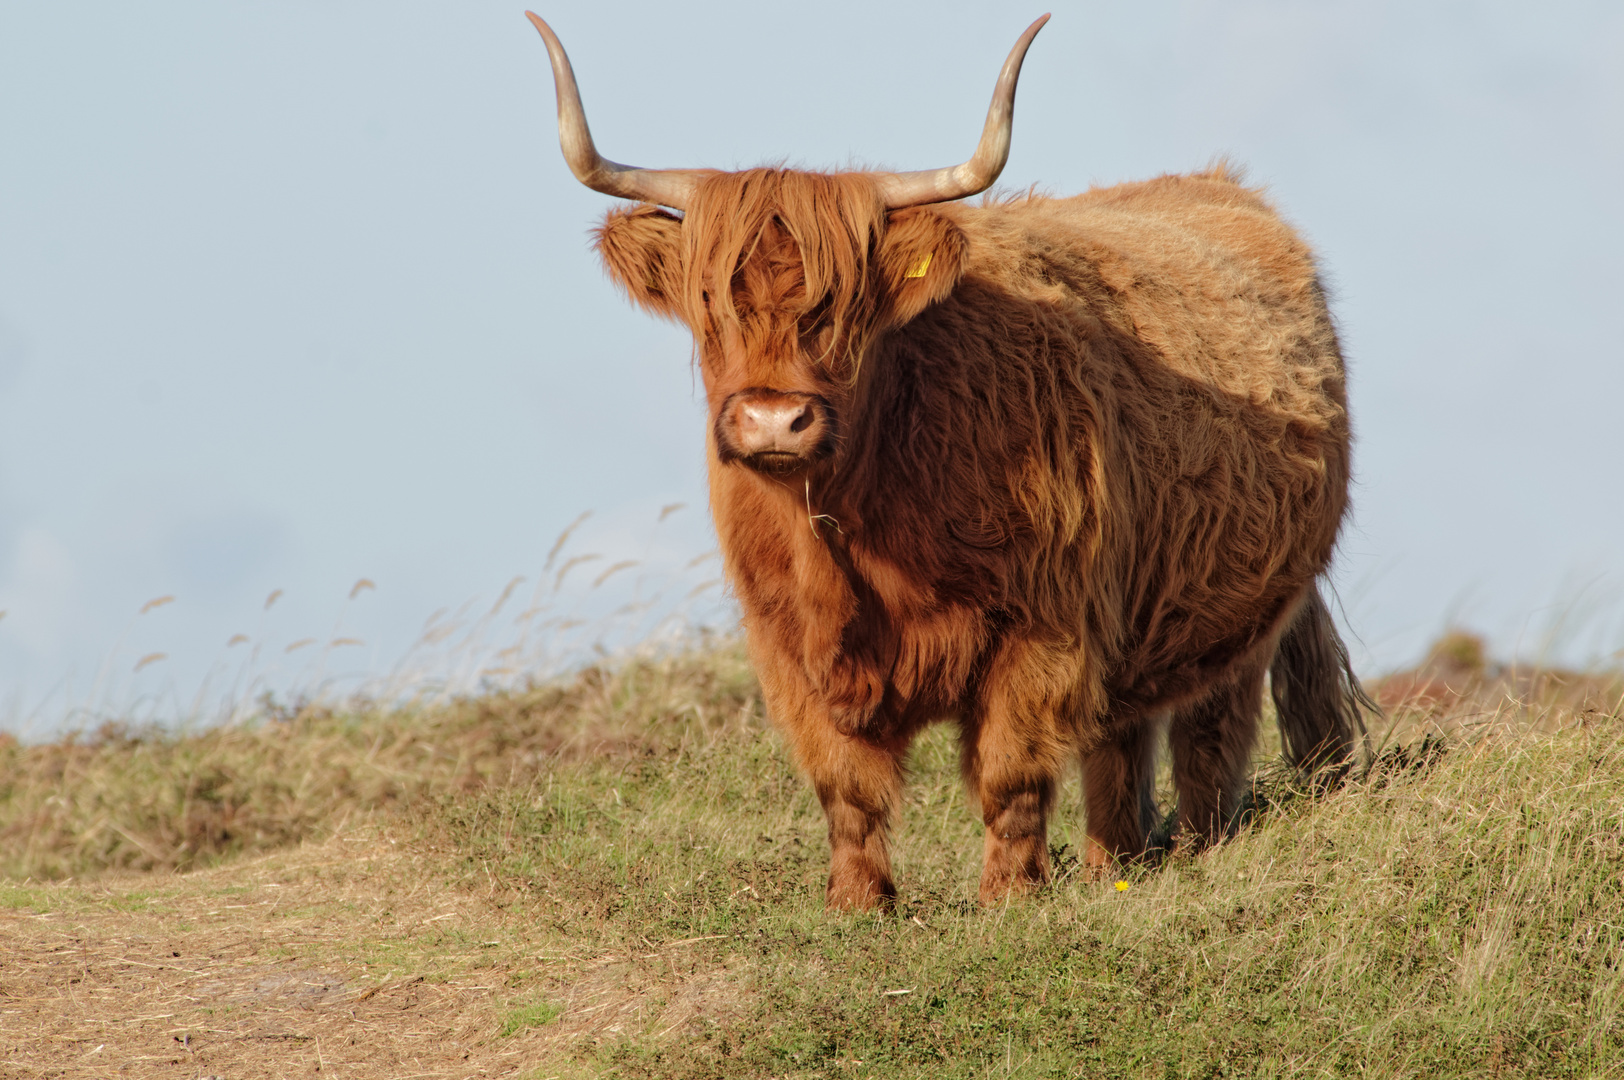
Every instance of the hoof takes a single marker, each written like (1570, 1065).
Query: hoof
(872, 894)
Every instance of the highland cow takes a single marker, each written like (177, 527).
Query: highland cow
(1061, 471)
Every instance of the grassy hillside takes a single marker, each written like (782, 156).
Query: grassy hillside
(623, 876)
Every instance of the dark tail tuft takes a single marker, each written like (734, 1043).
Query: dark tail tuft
(1316, 696)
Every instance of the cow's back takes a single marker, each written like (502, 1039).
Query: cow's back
(1209, 411)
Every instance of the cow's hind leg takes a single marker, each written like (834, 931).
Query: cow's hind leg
(1119, 793)
(1212, 740)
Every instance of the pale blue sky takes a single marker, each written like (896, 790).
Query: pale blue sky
(296, 294)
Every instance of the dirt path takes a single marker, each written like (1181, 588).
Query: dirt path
(342, 960)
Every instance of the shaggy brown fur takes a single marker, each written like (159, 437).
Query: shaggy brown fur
(1076, 479)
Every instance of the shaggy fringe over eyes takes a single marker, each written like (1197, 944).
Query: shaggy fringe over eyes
(835, 222)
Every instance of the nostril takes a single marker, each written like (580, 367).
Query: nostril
(803, 419)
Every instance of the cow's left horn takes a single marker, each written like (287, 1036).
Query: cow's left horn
(667, 187)
(977, 174)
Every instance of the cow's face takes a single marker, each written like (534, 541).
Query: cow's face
(785, 278)
(786, 281)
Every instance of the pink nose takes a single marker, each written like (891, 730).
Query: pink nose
(775, 431)
(774, 426)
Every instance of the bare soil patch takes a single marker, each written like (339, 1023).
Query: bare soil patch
(339, 959)
(308, 963)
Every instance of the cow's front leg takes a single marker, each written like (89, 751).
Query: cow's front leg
(1015, 853)
(1013, 749)
(858, 778)
(859, 783)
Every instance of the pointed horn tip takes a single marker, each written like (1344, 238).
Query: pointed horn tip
(538, 22)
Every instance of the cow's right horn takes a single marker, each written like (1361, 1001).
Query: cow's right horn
(979, 173)
(666, 187)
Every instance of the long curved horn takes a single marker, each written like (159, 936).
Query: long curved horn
(977, 174)
(667, 187)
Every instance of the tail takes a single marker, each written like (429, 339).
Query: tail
(1317, 698)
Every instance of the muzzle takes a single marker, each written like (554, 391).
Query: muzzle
(775, 431)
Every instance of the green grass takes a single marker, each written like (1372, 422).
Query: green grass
(529, 1016)
(650, 871)
(1465, 918)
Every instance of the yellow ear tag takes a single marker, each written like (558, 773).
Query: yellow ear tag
(920, 265)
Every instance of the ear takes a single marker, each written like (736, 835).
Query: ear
(641, 247)
(920, 260)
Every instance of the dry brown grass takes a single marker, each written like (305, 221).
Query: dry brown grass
(622, 876)
(343, 951)
(354, 957)
(1459, 691)
(154, 799)
(257, 970)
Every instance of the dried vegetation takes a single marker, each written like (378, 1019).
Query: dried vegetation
(622, 876)
(152, 799)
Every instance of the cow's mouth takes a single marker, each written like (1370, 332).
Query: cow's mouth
(776, 463)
